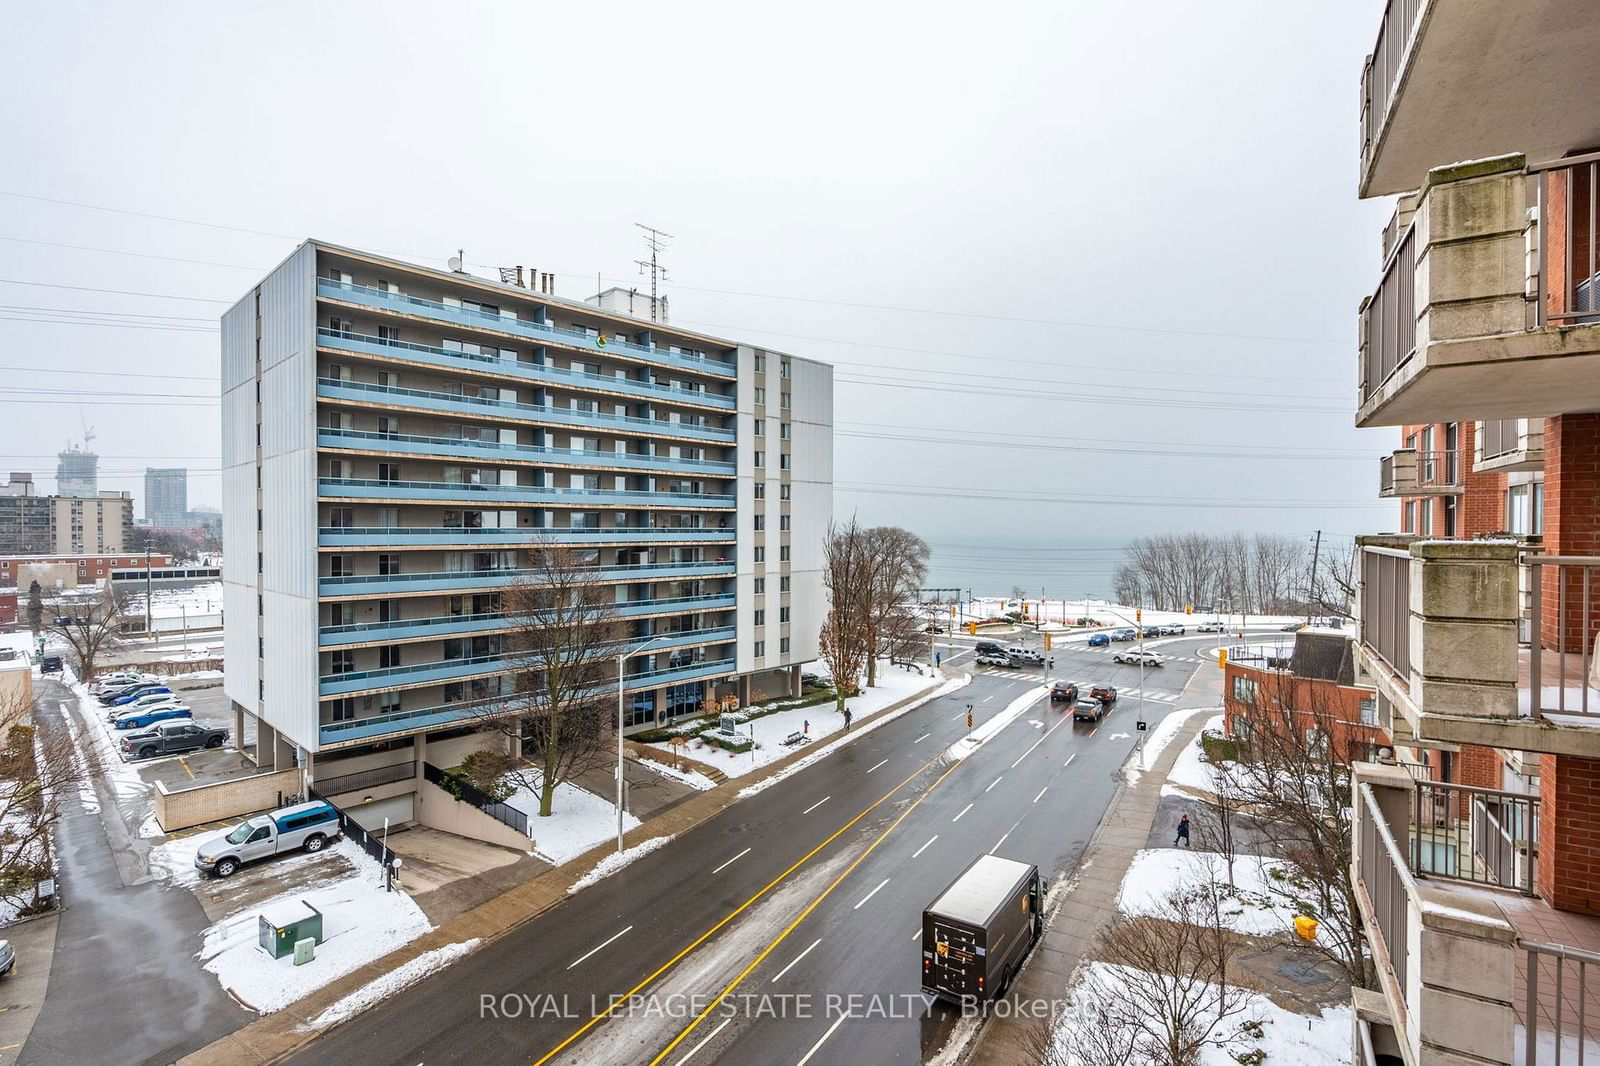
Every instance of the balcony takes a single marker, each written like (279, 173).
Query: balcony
(1509, 444)
(537, 373)
(422, 400)
(400, 723)
(521, 536)
(1451, 333)
(478, 494)
(495, 451)
(1408, 472)
(450, 625)
(354, 585)
(1429, 97)
(1471, 963)
(504, 323)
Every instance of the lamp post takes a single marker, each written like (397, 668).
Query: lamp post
(622, 662)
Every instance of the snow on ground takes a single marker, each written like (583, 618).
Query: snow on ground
(173, 860)
(1103, 611)
(1157, 740)
(391, 983)
(616, 861)
(693, 778)
(817, 721)
(120, 776)
(1259, 905)
(800, 764)
(360, 922)
(579, 820)
(1191, 770)
(1321, 1039)
(989, 728)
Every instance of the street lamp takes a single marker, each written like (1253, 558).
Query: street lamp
(622, 662)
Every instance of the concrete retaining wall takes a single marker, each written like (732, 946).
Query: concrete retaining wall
(188, 807)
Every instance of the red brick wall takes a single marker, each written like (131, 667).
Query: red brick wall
(1337, 705)
(1571, 527)
(8, 608)
(1569, 827)
(1482, 508)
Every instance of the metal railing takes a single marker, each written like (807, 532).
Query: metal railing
(361, 779)
(1385, 474)
(455, 488)
(1558, 1006)
(1563, 621)
(515, 576)
(531, 535)
(1569, 198)
(1392, 318)
(1482, 835)
(1382, 68)
(551, 455)
(1438, 470)
(1389, 886)
(372, 844)
(1386, 606)
(467, 792)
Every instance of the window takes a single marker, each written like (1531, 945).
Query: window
(783, 492)
(761, 522)
(341, 517)
(760, 648)
(1244, 689)
(342, 709)
(786, 402)
(761, 554)
(1525, 508)
(761, 490)
(783, 461)
(783, 431)
(761, 618)
(783, 583)
(761, 427)
(783, 368)
(1449, 504)
(783, 554)
(783, 645)
(389, 655)
(761, 364)
(342, 662)
(1316, 742)
(340, 566)
(761, 460)
(389, 563)
(761, 586)
(1369, 712)
(783, 523)
(389, 334)
(1425, 517)
(388, 473)
(761, 396)
(1409, 522)
(783, 615)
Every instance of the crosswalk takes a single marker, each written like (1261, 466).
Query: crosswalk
(1168, 658)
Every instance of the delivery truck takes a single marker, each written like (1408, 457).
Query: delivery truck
(976, 933)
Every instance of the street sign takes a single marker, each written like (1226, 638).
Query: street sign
(1141, 727)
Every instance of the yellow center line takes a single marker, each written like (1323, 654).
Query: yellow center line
(703, 937)
(802, 916)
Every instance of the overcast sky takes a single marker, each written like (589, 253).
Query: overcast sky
(1087, 270)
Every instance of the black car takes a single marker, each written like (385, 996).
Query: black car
(988, 646)
(1063, 692)
(1088, 711)
(1292, 627)
(50, 664)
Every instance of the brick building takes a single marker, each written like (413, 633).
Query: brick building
(69, 571)
(1312, 683)
(1478, 878)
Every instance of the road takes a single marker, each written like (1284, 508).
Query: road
(810, 888)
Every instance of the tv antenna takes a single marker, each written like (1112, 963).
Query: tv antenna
(655, 240)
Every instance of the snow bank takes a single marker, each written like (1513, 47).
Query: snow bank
(1156, 741)
(579, 820)
(982, 734)
(391, 983)
(1191, 771)
(1258, 904)
(693, 778)
(616, 861)
(360, 922)
(952, 685)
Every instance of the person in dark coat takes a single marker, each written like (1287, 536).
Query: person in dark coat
(847, 717)
(1183, 832)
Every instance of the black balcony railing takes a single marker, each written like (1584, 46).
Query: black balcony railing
(1437, 470)
(1482, 835)
(363, 779)
(467, 792)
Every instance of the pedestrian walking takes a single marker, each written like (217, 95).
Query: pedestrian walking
(805, 727)
(847, 719)
(1183, 832)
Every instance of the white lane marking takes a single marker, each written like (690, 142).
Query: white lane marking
(591, 951)
(964, 810)
(924, 847)
(1074, 755)
(1043, 790)
(817, 804)
(917, 935)
(993, 783)
(869, 895)
(687, 1055)
(876, 766)
(819, 1043)
(1002, 840)
(1093, 731)
(960, 716)
(986, 699)
(923, 737)
(731, 861)
(796, 959)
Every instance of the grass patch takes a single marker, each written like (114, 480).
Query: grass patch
(1219, 748)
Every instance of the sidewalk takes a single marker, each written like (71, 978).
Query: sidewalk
(275, 1036)
(1091, 897)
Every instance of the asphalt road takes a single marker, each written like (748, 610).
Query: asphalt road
(812, 887)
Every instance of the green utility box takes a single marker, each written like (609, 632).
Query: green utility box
(285, 924)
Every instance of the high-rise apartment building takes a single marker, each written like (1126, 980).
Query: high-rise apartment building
(166, 496)
(62, 525)
(396, 439)
(77, 472)
(1477, 851)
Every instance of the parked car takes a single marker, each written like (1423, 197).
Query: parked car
(1103, 693)
(1210, 627)
(1025, 656)
(1099, 640)
(149, 716)
(137, 707)
(1151, 631)
(147, 690)
(1123, 634)
(1088, 711)
(1063, 692)
(8, 958)
(994, 658)
(307, 826)
(119, 679)
(1292, 627)
(50, 664)
(1135, 657)
(171, 738)
(111, 695)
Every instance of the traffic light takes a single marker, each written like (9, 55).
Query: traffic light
(1188, 608)
(1138, 614)
(1047, 642)
(1222, 658)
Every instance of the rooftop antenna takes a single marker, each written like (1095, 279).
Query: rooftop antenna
(655, 240)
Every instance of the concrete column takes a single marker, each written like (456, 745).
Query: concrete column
(744, 690)
(420, 747)
(282, 752)
(1463, 628)
(514, 742)
(266, 745)
(794, 680)
(238, 734)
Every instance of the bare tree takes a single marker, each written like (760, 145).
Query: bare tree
(563, 640)
(846, 633)
(40, 761)
(1215, 828)
(1095, 1030)
(896, 562)
(91, 626)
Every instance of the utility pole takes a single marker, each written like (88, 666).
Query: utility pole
(1311, 583)
(656, 241)
(149, 620)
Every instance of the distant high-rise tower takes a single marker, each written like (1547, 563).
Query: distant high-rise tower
(77, 472)
(166, 496)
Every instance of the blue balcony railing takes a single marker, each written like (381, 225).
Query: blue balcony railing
(387, 584)
(540, 332)
(448, 625)
(450, 447)
(420, 536)
(486, 407)
(539, 373)
(370, 488)
(418, 674)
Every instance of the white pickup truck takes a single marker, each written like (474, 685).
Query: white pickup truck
(306, 825)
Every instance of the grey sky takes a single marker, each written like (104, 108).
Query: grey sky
(1184, 171)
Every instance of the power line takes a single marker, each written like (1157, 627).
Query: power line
(978, 389)
(1001, 496)
(114, 292)
(139, 255)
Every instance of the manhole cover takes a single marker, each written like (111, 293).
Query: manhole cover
(1303, 974)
